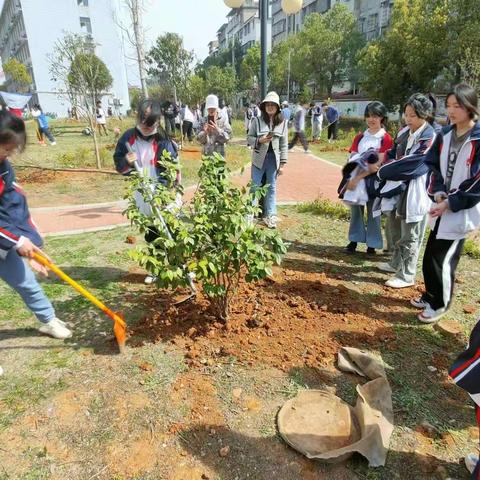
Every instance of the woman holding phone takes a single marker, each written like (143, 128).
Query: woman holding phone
(214, 130)
(268, 136)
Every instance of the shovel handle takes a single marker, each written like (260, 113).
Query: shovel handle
(47, 263)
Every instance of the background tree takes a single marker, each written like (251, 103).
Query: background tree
(134, 32)
(327, 46)
(170, 62)
(82, 77)
(250, 71)
(18, 73)
(412, 53)
(222, 82)
(196, 90)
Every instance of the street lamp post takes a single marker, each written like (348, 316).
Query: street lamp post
(289, 7)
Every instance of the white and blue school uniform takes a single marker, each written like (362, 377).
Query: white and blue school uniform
(15, 226)
(369, 231)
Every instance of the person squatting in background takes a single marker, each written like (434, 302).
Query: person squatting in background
(316, 114)
(214, 129)
(145, 145)
(19, 237)
(377, 140)
(403, 195)
(43, 129)
(268, 136)
(454, 186)
(299, 126)
(333, 118)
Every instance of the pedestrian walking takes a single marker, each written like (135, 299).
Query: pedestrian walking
(19, 238)
(375, 139)
(268, 137)
(286, 111)
(405, 195)
(188, 119)
(299, 126)
(101, 119)
(214, 130)
(454, 186)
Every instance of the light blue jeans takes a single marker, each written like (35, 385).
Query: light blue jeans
(15, 271)
(369, 233)
(270, 170)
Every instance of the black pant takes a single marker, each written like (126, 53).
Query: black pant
(169, 125)
(299, 136)
(187, 130)
(439, 265)
(333, 131)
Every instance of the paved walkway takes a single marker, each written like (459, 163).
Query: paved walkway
(305, 178)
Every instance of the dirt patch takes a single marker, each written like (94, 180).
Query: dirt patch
(41, 177)
(293, 319)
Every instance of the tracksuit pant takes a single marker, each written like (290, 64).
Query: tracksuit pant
(299, 136)
(439, 265)
(187, 128)
(407, 240)
(16, 273)
(333, 131)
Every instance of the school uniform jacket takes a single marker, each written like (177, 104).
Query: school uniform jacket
(411, 170)
(15, 221)
(463, 214)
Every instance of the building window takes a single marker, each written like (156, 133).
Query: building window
(82, 3)
(85, 25)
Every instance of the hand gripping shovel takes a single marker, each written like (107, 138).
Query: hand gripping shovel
(119, 327)
(158, 214)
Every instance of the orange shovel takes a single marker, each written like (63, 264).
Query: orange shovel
(119, 327)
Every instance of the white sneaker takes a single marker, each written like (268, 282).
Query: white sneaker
(149, 279)
(270, 222)
(398, 283)
(1, 371)
(385, 267)
(419, 303)
(53, 143)
(56, 329)
(431, 316)
(471, 461)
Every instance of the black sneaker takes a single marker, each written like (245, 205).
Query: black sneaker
(351, 247)
(371, 251)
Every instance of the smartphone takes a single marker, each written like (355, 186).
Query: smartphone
(211, 119)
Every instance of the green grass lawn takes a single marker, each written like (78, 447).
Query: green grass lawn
(46, 188)
(75, 409)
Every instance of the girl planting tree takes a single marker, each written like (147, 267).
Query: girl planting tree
(454, 186)
(19, 238)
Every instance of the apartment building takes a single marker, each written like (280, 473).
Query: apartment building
(29, 30)
(243, 25)
(373, 16)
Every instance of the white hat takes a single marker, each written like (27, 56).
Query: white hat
(211, 101)
(285, 103)
(273, 98)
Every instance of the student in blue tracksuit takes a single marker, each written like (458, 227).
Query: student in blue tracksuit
(19, 237)
(43, 128)
(333, 117)
(406, 198)
(454, 186)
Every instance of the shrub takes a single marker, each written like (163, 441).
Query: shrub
(213, 238)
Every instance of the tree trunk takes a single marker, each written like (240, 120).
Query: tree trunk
(137, 31)
(94, 134)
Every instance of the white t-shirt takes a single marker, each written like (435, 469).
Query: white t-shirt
(101, 120)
